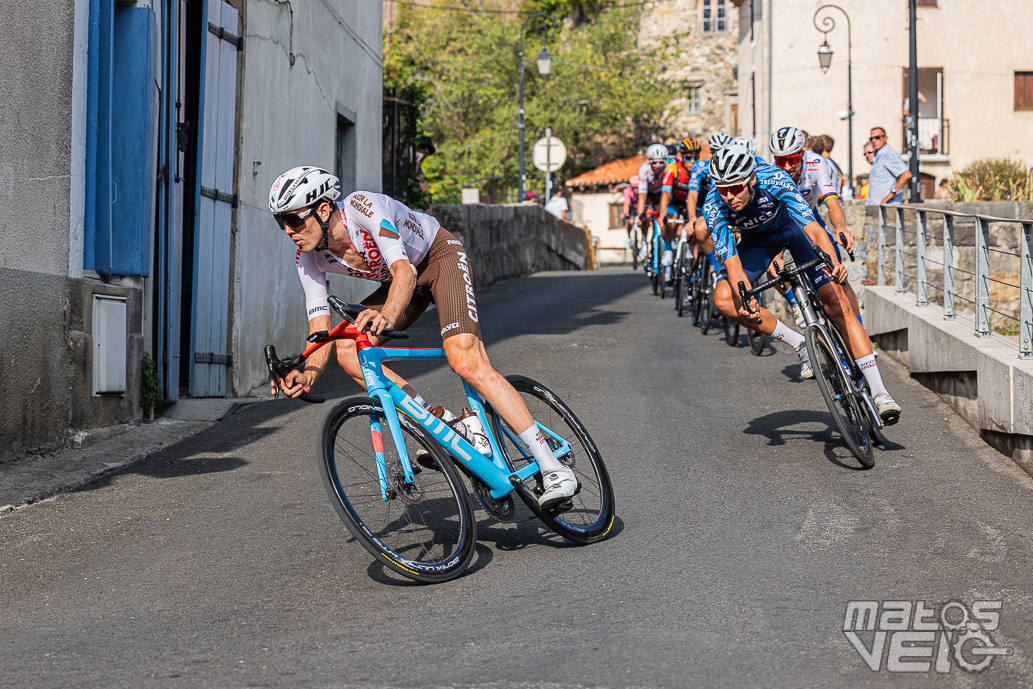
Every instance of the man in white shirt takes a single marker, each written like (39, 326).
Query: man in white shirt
(557, 205)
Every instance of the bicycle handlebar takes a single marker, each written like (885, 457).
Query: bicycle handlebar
(784, 275)
(842, 238)
(346, 330)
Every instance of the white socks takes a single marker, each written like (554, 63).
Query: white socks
(788, 335)
(535, 441)
(870, 369)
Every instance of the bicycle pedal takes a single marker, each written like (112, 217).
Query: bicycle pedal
(564, 506)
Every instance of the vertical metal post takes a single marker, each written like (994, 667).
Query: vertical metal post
(913, 145)
(881, 262)
(982, 273)
(920, 276)
(899, 253)
(548, 164)
(522, 174)
(948, 267)
(1026, 292)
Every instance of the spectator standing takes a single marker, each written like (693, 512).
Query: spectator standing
(530, 198)
(889, 174)
(557, 205)
(943, 193)
(827, 142)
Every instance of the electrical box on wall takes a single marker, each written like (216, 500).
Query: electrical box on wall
(110, 339)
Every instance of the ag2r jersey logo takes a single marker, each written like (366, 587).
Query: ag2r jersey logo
(915, 637)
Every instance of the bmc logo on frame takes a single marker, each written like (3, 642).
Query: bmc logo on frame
(906, 636)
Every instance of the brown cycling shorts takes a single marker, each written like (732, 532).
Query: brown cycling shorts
(444, 278)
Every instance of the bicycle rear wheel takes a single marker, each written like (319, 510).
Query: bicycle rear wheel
(838, 391)
(707, 304)
(591, 517)
(757, 339)
(682, 282)
(731, 328)
(701, 275)
(425, 530)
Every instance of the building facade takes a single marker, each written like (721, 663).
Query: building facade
(975, 77)
(139, 140)
(704, 63)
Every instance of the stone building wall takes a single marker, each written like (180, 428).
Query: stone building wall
(704, 60)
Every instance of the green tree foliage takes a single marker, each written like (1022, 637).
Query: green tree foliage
(603, 98)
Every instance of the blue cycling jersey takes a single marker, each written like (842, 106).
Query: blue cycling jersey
(699, 181)
(776, 205)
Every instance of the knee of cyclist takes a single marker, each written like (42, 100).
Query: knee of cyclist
(470, 367)
(724, 303)
(347, 358)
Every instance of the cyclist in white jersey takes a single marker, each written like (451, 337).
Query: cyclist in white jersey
(817, 181)
(374, 237)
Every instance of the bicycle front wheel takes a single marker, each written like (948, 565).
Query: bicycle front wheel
(838, 391)
(757, 339)
(424, 530)
(591, 517)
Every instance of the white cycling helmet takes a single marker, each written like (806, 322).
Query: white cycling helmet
(656, 152)
(300, 187)
(734, 163)
(747, 142)
(786, 141)
(718, 141)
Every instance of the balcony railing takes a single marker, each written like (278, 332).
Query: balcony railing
(982, 259)
(933, 135)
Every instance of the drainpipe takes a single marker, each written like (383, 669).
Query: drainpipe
(771, 58)
(92, 98)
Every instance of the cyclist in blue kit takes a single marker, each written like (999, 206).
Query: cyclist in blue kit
(764, 205)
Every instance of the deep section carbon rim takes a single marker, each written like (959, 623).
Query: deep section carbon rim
(591, 515)
(836, 389)
(424, 530)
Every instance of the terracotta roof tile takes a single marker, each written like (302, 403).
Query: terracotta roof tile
(610, 173)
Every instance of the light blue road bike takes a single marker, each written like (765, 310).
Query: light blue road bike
(403, 497)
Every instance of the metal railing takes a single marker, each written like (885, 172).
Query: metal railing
(933, 135)
(981, 261)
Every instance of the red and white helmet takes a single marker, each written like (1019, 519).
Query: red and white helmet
(300, 187)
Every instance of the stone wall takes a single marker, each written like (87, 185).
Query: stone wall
(508, 242)
(704, 60)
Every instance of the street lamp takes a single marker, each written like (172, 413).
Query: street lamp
(546, 30)
(825, 60)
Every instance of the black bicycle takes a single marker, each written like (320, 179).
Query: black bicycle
(840, 380)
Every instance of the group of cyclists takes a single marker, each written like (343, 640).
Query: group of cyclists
(740, 213)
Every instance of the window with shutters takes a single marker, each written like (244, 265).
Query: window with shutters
(616, 213)
(1024, 90)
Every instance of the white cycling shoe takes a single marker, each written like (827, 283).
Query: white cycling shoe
(559, 485)
(667, 259)
(888, 410)
(805, 362)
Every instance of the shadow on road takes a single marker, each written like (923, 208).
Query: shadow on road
(777, 428)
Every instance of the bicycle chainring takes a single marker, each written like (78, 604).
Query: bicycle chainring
(503, 510)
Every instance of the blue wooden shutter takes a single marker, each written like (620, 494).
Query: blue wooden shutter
(212, 248)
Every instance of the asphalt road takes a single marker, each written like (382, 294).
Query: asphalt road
(744, 530)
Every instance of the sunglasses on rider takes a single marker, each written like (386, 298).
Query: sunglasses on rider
(731, 189)
(788, 161)
(295, 221)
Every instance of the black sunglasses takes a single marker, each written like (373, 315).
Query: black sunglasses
(295, 221)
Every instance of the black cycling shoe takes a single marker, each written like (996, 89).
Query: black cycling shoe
(426, 459)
